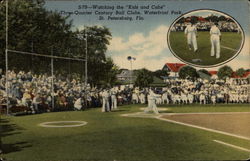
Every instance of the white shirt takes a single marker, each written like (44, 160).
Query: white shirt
(105, 94)
(191, 29)
(215, 31)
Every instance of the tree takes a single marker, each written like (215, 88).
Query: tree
(240, 72)
(160, 73)
(222, 18)
(98, 38)
(204, 71)
(109, 70)
(34, 29)
(188, 72)
(212, 18)
(181, 20)
(225, 72)
(194, 19)
(143, 78)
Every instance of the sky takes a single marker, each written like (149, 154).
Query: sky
(146, 39)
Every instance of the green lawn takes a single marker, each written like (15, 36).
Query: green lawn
(178, 43)
(108, 136)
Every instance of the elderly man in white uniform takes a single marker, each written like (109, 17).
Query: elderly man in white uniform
(191, 34)
(142, 98)
(113, 99)
(135, 99)
(151, 102)
(105, 101)
(165, 98)
(215, 36)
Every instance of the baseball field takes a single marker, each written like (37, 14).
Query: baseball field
(186, 132)
(230, 44)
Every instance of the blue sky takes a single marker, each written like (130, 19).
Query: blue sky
(146, 39)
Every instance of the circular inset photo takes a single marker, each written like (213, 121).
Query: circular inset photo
(205, 38)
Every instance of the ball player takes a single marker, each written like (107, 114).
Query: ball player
(113, 99)
(215, 37)
(152, 102)
(191, 34)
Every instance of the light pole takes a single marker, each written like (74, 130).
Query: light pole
(52, 80)
(131, 59)
(6, 57)
(81, 37)
(87, 34)
(86, 58)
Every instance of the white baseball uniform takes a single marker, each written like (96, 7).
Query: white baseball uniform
(191, 32)
(151, 102)
(113, 99)
(142, 98)
(215, 41)
(105, 101)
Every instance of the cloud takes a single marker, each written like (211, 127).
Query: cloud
(117, 44)
(148, 49)
(136, 39)
(139, 63)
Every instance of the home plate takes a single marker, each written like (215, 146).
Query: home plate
(159, 109)
(196, 60)
(141, 114)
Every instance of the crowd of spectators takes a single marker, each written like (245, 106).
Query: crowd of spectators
(224, 26)
(34, 93)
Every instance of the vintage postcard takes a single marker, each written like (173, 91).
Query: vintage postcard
(117, 80)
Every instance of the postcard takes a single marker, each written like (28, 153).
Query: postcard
(124, 80)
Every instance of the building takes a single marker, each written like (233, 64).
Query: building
(126, 76)
(246, 75)
(213, 74)
(173, 69)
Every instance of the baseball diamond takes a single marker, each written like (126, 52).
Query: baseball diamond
(115, 137)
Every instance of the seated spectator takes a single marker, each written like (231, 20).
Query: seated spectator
(36, 103)
(26, 99)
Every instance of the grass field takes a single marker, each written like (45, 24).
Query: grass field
(178, 43)
(108, 136)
